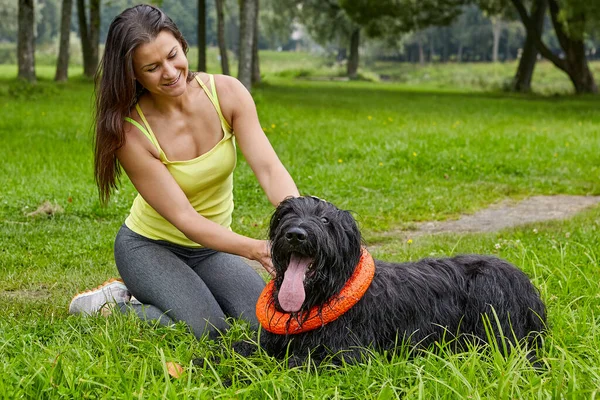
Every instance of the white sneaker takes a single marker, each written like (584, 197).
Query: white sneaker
(91, 301)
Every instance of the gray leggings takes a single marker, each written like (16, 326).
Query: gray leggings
(199, 286)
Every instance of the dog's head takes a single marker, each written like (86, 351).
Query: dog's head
(315, 248)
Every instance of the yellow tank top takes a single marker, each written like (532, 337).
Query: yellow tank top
(207, 181)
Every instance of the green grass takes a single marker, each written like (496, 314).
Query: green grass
(393, 153)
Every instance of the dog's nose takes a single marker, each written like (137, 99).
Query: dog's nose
(295, 235)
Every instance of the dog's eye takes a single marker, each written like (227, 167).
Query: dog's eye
(324, 220)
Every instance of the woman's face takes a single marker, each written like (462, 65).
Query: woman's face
(161, 66)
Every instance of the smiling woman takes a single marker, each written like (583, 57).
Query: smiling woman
(160, 64)
(173, 132)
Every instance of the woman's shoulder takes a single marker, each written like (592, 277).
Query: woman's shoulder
(223, 83)
(136, 135)
(229, 91)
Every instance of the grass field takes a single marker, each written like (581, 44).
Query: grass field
(393, 153)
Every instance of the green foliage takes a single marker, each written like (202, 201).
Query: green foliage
(579, 17)
(274, 21)
(393, 153)
(326, 22)
(8, 15)
(389, 17)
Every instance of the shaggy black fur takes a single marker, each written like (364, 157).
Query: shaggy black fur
(423, 302)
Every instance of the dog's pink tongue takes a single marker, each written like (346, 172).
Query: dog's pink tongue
(291, 293)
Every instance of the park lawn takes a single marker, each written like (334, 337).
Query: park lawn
(393, 154)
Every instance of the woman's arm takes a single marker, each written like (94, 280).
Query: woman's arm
(160, 190)
(237, 104)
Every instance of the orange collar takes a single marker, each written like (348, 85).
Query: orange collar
(283, 323)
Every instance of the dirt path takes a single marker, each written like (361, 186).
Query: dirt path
(506, 214)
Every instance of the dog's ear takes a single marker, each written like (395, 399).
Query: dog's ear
(348, 222)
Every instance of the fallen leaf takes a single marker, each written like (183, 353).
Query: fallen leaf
(174, 369)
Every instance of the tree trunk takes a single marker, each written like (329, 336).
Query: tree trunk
(444, 53)
(496, 32)
(431, 49)
(247, 19)
(89, 34)
(352, 66)
(26, 41)
(421, 52)
(255, 59)
(522, 79)
(574, 64)
(578, 70)
(574, 48)
(94, 36)
(459, 52)
(201, 35)
(84, 35)
(62, 64)
(221, 37)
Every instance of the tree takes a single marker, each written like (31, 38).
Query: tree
(381, 17)
(498, 9)
(248, 12)
(497, 28)
(62, 65)
(47, 24)
(275, 17)
(352, 66)
(393, 17)
(201, 35)
(90, 35)
(570, 20)
(521, 82)
(327, 22)
(221, 37)
(26, 41)
(255, 60)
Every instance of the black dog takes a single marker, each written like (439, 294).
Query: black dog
(321, 270)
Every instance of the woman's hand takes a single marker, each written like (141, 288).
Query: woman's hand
(263, 256)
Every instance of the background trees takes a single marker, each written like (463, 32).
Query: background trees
(347, 32)
(571, 20)
(89, 32)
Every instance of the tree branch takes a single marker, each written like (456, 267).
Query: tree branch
(561, 35)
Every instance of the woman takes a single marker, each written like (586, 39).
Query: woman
(172, 131)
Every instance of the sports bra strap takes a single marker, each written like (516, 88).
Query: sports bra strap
(139, 126)
(147, 132)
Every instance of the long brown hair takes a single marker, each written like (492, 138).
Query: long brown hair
(116, 88)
